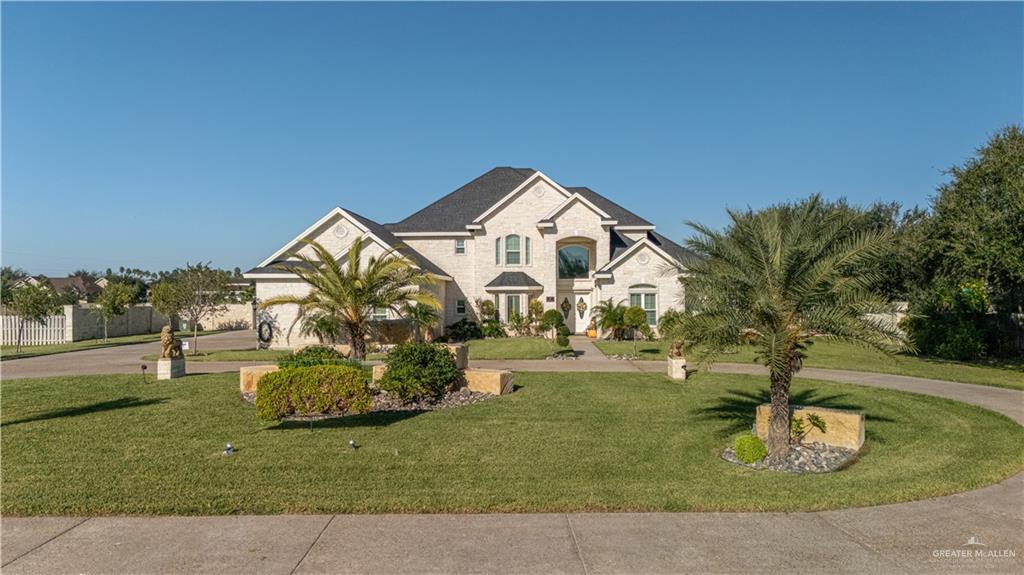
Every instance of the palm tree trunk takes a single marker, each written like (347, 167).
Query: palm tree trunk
(356, 334)
(778, 427)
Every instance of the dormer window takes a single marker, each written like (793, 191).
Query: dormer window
(513, 255)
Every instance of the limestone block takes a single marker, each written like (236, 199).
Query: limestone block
(843, 428)
(170, 368)
(677, 367)
(493, 381)
(249, 376)
(378, 372)
(461, 354)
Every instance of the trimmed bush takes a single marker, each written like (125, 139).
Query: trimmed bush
(463, 330)
(318, 390)
(315, 355)
(750, 449)
(420, 370)
(562, 339)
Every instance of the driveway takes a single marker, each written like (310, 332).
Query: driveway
(125, 358)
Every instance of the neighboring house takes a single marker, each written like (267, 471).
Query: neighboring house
(81, 288)
(510, 235)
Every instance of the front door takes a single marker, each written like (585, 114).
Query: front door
(575, 308)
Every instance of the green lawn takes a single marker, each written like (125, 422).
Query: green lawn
(562, 442)
(835, 355)
(511, 348)
(7, 352)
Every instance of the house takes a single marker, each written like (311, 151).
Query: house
(510, 235)
(74, 286)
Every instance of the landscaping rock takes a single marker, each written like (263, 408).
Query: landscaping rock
(804, 458)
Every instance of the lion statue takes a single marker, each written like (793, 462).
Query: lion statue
(170, 345)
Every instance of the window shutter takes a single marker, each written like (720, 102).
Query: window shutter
(529, 254)
(497, 251)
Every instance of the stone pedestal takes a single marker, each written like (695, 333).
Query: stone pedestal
(843, 428)
(460, 352)
(249, 376)
(677, 367)
(170, 368)
(493, 381)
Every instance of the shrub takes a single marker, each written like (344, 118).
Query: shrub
(492, 328)
(315, 355)
(750, 449)
(551, 319)
(464, 329)
(563, 335)
(420, 370)
(322, 389)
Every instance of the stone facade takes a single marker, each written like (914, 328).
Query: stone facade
(544, 218)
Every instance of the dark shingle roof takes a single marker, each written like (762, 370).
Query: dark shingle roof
(684, 255)
(452, 212)
(617, 212)
(619, 243)
(381, 232)
(513, 279)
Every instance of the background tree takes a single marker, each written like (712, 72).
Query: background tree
(780, 277)
(114, 300)
(32, 304)
(194, 292)
(550, 321)
(8, 277)
(167, 298)
(351, 292)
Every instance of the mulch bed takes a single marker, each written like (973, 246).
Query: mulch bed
(803, 458)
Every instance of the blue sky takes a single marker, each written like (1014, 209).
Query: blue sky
(150, 135)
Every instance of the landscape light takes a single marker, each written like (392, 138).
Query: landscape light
(352, 444)
(229, 450)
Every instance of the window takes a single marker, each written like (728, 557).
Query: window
(573, 262)
(529, 254)
(379, 314)
(460, 247)
(497, 251)
(648, 302)
(512, 253)
(511, 306)
(460, 306)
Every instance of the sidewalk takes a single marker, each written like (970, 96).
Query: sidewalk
(898, 538)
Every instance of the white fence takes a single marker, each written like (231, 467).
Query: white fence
(53, 331)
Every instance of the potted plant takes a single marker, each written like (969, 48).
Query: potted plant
(592, 330)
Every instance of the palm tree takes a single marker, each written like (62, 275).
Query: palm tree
(325, 327)
(422, 317)
(777, 278)
(351, 292)
(608, 316)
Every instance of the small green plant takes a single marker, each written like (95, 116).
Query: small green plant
(488, 311)
(323, 389)
(535, 310)
(800, 427)
(518, 323)
(492, 328)
(750, 449)
(420, 370)
(635, 318)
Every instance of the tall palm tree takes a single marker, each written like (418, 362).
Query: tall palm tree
(423, 317)
(351, 292)
(778, 278)
(609, 316)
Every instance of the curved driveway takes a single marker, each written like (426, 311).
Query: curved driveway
(973, 532)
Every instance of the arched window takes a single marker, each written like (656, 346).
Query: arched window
(645, 296)
(573, 262)
(513, 255)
